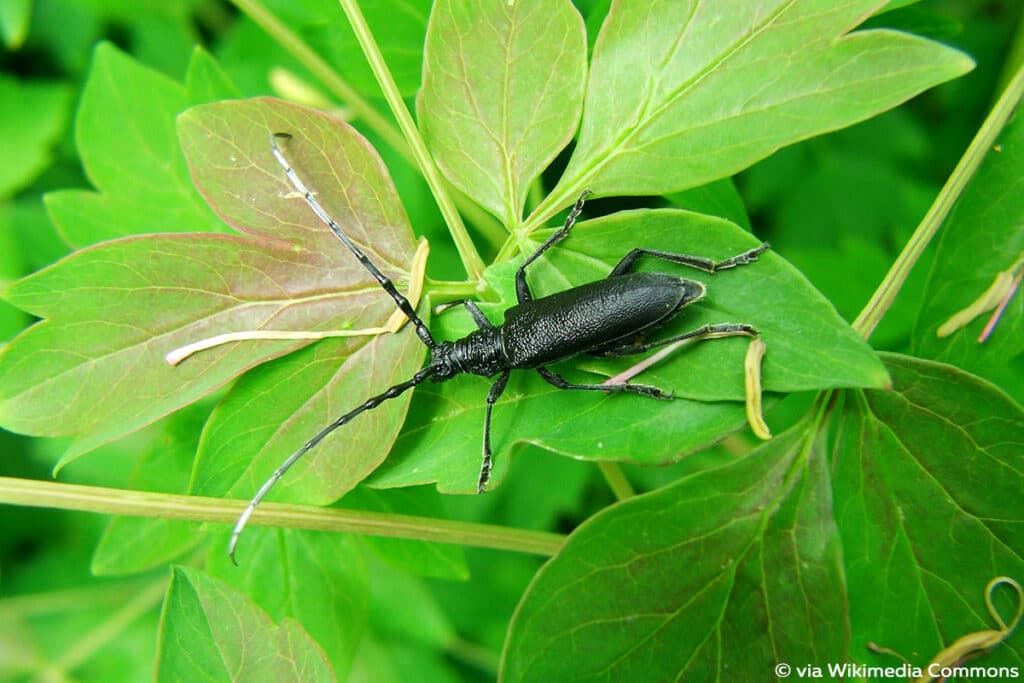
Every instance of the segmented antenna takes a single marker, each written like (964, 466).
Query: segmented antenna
(421, 329)
(370, 403)
(403, 304)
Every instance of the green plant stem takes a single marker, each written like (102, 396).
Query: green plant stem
(34, 493)
(360, 106)
(443, 291)
(965, 169)
(295, 46)
(475, 655)
(1014, 55)
(90, 597)
(616, 479)
(471, 260)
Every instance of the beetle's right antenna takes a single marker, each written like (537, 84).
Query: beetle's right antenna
(403, 304)
(421, 329)
(369, 404)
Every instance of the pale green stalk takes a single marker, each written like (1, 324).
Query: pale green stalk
(471, 260)
(616, 480)
(981, 145)
(34, 493)
(368, 114)
(341, 88)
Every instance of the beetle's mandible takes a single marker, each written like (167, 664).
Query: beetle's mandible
(608, 318)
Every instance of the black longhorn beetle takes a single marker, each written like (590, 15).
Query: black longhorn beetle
(606, 318)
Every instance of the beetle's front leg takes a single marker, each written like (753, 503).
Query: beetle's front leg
(492, 397)
(523, 293)
(474, 312)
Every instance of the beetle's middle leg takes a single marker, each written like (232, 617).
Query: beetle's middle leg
(557, 380)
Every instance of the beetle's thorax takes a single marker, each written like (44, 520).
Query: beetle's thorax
(482, 352)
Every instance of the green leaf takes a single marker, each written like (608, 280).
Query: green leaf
(131, 154)
(15, 17)
(134, 544)
(206, 81)
(34, 116)
(388, 660)
(739, 566)
(95, 367)
(809, 347)
(731, 569)
(684, 93)
(982, 237)
(276, 408)
(719, 198)
(36, 243)
(318, 579)
(12, 265)
(491, 123)
(402, 609)
(828, 267)
(929, 479)
(209, 632)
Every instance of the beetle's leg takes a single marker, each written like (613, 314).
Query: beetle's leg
(700, 334)
(698, 262)
(478, 316)
(492, 397)
(474, 311)
(557, 380)
(523, 293)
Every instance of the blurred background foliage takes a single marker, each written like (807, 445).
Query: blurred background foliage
(835, 205)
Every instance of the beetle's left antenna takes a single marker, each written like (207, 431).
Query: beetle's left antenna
(369, 404)
(421, 329)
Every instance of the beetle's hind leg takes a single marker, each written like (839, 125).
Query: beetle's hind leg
(698, 262)
(718, 331)
(557, 380)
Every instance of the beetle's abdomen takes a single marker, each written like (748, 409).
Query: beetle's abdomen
(593, 316)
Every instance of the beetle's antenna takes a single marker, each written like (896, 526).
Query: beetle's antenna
(369, 404)
(421, 329)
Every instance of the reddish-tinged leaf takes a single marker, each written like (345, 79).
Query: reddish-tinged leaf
(95, 367)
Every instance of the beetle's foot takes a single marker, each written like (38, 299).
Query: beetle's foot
(485, 474)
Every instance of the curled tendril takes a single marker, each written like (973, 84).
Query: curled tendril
(972, 644)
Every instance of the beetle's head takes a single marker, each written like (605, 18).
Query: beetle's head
(443, 362)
